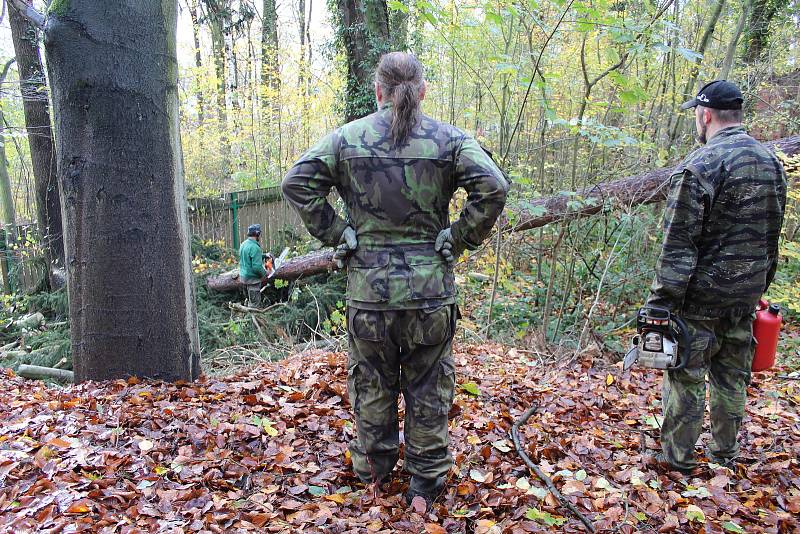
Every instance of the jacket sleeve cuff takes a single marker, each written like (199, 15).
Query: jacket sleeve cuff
(461, 240)
(661, 302)
(333, 235)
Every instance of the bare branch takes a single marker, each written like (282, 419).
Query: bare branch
(5, 69)
(26, 10)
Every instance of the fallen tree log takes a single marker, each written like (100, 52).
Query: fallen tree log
(309, 264)
(640, 189)
(36, 372)
(224, 282)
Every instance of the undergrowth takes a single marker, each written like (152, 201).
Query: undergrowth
(298, 311)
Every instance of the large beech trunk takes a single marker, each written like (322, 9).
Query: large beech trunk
(114, 73)
(640, 189)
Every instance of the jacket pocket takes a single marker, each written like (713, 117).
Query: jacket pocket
(368, 276)
(429, 277)
(702, 341)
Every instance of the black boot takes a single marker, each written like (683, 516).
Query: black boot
(427, 488)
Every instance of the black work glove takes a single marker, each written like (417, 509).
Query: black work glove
(347, 244)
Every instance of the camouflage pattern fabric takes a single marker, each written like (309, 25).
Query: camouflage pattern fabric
(721, 227)
(722, 349)
(397, 200)
(408, 351)
(400, 292)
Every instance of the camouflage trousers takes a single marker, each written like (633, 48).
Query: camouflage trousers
(722, 349)
(408, 351)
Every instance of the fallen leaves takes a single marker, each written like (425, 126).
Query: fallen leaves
(266, 451)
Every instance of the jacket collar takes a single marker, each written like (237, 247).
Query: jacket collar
(724, 133)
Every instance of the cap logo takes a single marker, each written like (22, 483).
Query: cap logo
(703, 98)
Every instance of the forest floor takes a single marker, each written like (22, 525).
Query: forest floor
(265, 450)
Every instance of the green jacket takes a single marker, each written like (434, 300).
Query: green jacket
(721, 227)
(251, 264)
(397, 199)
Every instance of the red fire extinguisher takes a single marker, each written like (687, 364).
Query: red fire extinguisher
(766, 328)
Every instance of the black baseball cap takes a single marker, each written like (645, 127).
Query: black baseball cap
(719, 94)
(254, 229)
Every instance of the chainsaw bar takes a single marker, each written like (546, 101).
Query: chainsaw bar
(630, 358)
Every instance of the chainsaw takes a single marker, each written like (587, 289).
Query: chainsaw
(662, 341)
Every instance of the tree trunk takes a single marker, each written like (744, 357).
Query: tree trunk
(301, 27)
(641, 189)
(7, 205)
(398, 28)
(40, 136)
(270, 68)
(688, 90)
(757, 36)
(218, 51)
(317, 262)
(198, 59)
(6, 195)
(233, 68)
(727, 64)
(114, 76)
(363, 36)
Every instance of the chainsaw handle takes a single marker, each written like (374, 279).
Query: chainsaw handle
(685, 345)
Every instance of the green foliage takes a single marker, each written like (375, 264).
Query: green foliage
(312, 305)
(785, 289)
(54, 305)
(534, 514)
(208, 250)
(619, 251)
(59, 7)
(29, 342)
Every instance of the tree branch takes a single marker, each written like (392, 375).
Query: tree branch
(5, 69)
(26, 10)
(539, 473)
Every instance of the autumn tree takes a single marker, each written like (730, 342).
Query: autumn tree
(7, 214)
(198, 57)
(762, 13)
(113, 75)
(270, 66)
(365, 32)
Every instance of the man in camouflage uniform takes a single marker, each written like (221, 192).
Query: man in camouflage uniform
(401, 293)
(721, 227)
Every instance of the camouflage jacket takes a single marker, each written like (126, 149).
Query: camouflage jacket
(721, 227)
(397, 199)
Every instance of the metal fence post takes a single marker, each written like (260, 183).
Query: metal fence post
(235, 220)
